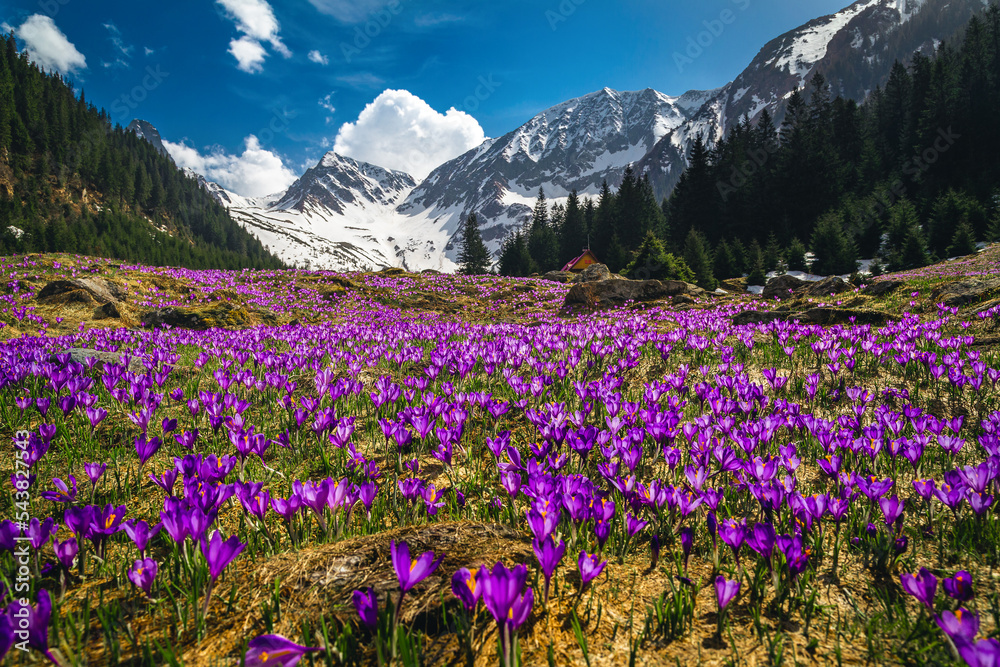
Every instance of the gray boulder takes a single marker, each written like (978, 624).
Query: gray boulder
(826, 287)
(100, 289)
(883, 288)
(559, 276)
(779, 286)
(963, 292)
(595, 273)
(610, 293)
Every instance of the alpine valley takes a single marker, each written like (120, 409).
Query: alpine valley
(343, 214)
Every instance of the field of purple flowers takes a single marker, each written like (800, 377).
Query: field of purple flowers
(428, 470)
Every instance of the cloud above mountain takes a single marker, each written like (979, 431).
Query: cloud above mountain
(256, 20)
(48, 46)
(254, 173)
(398, 130)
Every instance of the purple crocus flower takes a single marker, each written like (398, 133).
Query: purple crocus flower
(960, 625)
(78, 519)
(64, 493)
(959, 587)
(6, 635)
(591, 567)
(922, 586)
(140, 533)
(366, 604)
(984, 653)
(95, 416)
(725, 591)
(762, 539)
(220, 553)
(66, 551)
(549, 555)
(40, 532)
(94, 472)
(502, 596)
(411, 572)
(687, 543)
(892, 509)
(275, 651)
(146, 448)
(37, 622)
(733, 532)
(142, 573)
(466, 585)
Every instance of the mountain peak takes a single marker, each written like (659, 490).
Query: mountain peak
(145, 130)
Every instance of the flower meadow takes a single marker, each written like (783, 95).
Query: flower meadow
(487, 479)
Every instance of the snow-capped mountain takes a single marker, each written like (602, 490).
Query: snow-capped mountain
(345, 214)
(573, 146)
(340, 215)
(577, 144)
(145, 130)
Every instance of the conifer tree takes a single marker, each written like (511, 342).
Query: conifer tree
(906, 245)
(725, 264)
(796, 255)
(474, 258)
(963, 242)
(653, 262)
(617, 257)
(835, 252)
(699, 259)
(757, 275)
(573, 232)
(515, 260)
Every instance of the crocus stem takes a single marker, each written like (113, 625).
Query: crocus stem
(208, 598)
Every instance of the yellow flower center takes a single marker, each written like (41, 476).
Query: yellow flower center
(110, 520)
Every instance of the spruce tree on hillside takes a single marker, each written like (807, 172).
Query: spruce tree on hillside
(543, 246)
(474, 258)
(757, 275)
(515, 260)
(615, 257)
(993, 233)
(653, 262)
(691, 203)
(835, 251)
(573, 231)
(699, 258)
(963, 242)
(725, 265)
(796, 256)
(906, 245)
(606, 218)
(772, 253)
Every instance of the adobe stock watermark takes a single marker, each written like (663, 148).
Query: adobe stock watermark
(698, 43)
(52, 7)
(562, 12)
(364, 34)
(756, 158)
(915, 167)
(124, 105)
(487, 85)
(22, 553)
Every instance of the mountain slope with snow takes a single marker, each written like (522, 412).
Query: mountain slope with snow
(346, 214)
(340, 215)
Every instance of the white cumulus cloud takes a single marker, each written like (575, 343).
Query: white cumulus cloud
(48, 46)
(318, 58)
(254, 173)
(401, 131)
(256, 20)
(249, 54)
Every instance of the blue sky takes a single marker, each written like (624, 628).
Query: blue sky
(239, 85)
